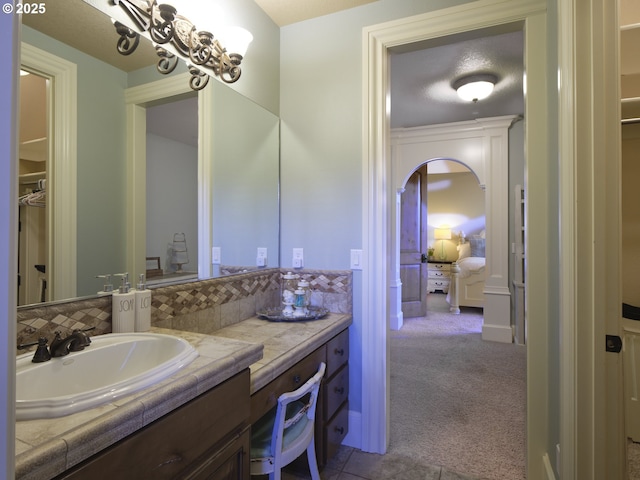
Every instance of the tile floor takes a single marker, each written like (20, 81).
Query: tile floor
(353, 464)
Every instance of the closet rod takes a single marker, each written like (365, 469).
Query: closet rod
(629, 121)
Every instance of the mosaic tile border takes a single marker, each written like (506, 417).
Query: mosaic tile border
(203, 306)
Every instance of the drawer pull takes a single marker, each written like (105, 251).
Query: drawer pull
(340, 430)
(296, 379)
(339, 351)
(174, 459)
(339, 390)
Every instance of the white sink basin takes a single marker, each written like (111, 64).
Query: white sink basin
(113, 365)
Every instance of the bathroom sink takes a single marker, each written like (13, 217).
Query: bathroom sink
(114, 365)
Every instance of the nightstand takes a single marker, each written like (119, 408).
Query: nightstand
(439, 276)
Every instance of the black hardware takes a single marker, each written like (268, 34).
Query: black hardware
(42, 352)
(296, 379)
(340, 430)
(614, 344)
(339, 390)
(424, 258)
(339, 351)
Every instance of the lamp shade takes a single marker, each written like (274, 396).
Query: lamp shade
(442, 234)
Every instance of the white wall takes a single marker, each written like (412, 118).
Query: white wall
(321, 143)
(455, 200)
(172, 200)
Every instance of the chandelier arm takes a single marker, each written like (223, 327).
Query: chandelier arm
(199, 79)
(128, 41)
(167, 62)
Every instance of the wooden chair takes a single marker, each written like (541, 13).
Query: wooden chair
(284, 433)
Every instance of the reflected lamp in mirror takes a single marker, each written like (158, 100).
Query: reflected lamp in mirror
(442, 234)
(177, 37)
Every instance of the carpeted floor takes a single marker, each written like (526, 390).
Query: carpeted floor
(457, 401)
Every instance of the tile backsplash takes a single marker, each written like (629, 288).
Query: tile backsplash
(202, 306)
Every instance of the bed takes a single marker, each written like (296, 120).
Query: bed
(467, 280)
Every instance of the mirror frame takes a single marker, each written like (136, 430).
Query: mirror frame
(137, 99)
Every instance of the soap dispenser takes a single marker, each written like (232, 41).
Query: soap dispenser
(123, 310)
(143, 306)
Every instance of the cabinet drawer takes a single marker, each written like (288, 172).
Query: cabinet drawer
(267, 397)
(335, 431)
(336, 391)
(337, 352)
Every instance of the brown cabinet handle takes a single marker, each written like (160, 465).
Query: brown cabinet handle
(339, 351)
(339, 390)
(340, 430)
(296, 379)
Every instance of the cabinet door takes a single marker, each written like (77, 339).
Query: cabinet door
(173, 444)
(231, 463)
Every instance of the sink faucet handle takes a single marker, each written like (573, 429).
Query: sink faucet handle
(82, 341)
(42, 352)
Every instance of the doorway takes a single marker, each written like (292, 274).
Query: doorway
(380, 194)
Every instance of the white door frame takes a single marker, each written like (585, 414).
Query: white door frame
(379, 198)
(587, 411)
(62, 171)
(137, 99)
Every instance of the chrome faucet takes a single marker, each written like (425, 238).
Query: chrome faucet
(73, 343)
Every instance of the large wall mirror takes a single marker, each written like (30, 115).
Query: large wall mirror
(241, 174)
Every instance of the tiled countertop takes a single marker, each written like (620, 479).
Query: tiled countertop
(285, 343)
(45, 448)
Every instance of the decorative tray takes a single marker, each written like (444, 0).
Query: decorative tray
(276, 315)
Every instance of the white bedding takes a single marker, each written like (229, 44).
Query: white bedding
(470, 265)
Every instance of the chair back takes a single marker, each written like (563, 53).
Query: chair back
(283, 453)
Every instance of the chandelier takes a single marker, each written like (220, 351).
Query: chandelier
(175, 37)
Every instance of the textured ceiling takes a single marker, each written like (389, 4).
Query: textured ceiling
(285, 12)
(421, 91)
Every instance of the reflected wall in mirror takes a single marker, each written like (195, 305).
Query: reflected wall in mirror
(99, 227)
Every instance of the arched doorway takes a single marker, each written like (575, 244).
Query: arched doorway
(442, 209)
(482, 145)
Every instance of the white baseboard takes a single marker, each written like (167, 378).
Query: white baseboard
(354, 436)
(497, 333)
(548, 470)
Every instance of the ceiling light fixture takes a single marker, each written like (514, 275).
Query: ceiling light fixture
(176, 37)
(475, 87)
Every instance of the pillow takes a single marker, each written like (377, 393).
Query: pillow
(477, 246)
(464, 250)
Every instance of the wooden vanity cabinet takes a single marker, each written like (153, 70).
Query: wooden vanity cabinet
(333, 407)
(207, 438)
(336, 396)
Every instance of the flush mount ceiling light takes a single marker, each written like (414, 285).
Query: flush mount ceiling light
(475, 87)
(176, 37)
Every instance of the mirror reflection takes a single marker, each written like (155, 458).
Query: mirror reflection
(244, 211)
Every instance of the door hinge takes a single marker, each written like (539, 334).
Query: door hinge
(614, 344)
